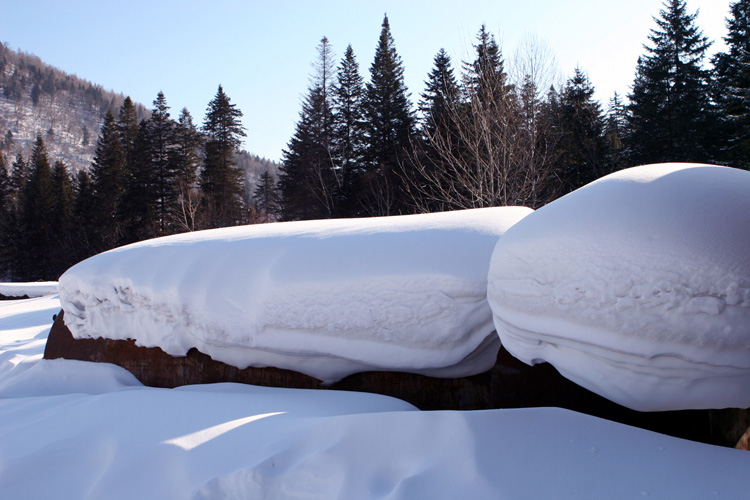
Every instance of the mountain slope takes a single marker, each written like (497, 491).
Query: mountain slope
(66, 111)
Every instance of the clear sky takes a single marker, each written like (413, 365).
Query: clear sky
(261, 51)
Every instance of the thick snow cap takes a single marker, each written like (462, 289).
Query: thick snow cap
(326, 298)
(636, 286)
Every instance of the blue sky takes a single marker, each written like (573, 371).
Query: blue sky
(261, 51)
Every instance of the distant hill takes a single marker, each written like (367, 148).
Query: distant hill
(68, 112)
(38, 99)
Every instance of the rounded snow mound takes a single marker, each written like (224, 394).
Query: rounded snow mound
(325, 298)
(636, 286)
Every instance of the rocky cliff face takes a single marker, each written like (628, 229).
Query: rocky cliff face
(509, 384)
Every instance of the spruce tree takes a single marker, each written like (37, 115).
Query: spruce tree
(4, 187)
(732, 94)
(440, 96)
(63, 251)
(349, 140)
(127, 127)
(615, 129)
(185, 160)
(13, 236)
(5, 210)
(84, 209)
(438, 138)
(161, 132)
(18, 177)
(266, 198)
(308, 178)
(108, 181)
(485, 78)
(221, 182)
(389, 129)
(138, 210)
(33, 256)
(670, 109)
(582, 147)
(185, 153)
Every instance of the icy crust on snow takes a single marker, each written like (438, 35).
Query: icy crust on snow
(326, 298)
(636, 286)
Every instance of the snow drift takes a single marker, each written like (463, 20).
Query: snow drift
(636, 286)
(325, 298)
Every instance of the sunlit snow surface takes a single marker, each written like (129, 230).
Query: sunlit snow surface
(73, 430)
(636, 286)
(32, 289)
(326, 298)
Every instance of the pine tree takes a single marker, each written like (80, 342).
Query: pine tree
(84, 209)
(348, 132)
(185, 160)
(733, 88)
(670, 110)
(5, 219)
(485, 78)
(221, 182)
(582, 146)
(438, 136)
(127, 127)
(185, 153)
(18, 178)
(161, 131)
(63, 251)
(4, 187)
(441, 94)
(108, 180)
(266, 198)
(33, 253)
(308, 178)
(389, 130)
(140, 198)
(615, 129)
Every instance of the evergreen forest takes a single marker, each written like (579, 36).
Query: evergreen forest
(481, 133)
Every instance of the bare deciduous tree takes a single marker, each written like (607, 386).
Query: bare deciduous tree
(494, 148)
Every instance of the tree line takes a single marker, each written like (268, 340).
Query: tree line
(148, 178)
(480, 136)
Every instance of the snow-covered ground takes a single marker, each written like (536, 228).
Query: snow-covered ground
(73, 430)
(637, 286)
(33, 289)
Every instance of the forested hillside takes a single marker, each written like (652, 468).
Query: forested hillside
(67, 112)
(83, 170)
(39, 100)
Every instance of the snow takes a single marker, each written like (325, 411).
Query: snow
(72, 429)
(636, 287)
(32, 289)
(325, 298)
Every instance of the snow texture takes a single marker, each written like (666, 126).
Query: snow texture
(33, 289)
(325, 298)
(72, 429)
(636, 286)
